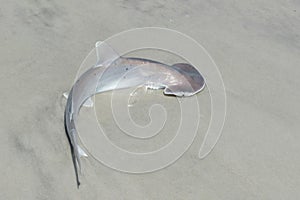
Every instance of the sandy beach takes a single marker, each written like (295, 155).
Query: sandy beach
(256, 46)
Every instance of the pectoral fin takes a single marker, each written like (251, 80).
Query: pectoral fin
(88, 103)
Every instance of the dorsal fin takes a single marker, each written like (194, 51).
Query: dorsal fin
(105, 53)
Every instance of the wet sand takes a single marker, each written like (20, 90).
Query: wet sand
(256, 46)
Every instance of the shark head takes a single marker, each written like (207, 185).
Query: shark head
(189, 83)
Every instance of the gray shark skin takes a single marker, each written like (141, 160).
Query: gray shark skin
(180, 80)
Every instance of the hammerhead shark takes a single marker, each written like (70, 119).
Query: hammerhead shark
(116, 72)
